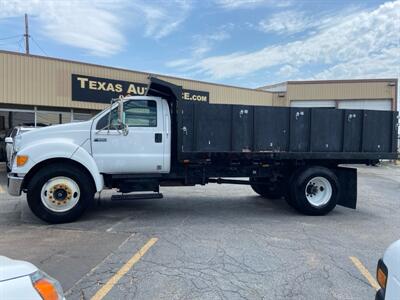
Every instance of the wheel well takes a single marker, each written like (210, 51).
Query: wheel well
(51, 161)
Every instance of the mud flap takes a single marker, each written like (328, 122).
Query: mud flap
(348, 186)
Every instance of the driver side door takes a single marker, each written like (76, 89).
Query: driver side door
(141, 150)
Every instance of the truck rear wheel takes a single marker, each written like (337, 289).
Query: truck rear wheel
(60, 193)
(266, 189)
(314, 191)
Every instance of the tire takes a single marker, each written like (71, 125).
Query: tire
(267, 190)
(60, 193)
(314, 191)
(289, 198)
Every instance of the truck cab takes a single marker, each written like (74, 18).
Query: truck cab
(59, 165)
(143, 146)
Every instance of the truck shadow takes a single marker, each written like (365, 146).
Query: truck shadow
(173, 209)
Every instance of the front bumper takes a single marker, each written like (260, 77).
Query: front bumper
(14, 185)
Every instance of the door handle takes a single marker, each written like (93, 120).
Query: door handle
(158, 137)
(100, 140)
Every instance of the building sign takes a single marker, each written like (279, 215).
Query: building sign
(102, 90)
(195, 95)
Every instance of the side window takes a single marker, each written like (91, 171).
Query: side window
(137, 113)
(140, 113)
(103, 122)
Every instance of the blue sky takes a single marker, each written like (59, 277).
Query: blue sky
(239, 42)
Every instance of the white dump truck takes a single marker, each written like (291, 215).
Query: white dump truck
(141, 143)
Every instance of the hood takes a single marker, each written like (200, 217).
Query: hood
(10, 268)
(391, 258)
(76, 133)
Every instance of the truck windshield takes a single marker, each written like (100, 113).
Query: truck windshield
(103, 122)
(100, 112)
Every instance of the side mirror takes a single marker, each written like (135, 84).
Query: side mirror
(120, 112)
(8, 140)
(121, 118)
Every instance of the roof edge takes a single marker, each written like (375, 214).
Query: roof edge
(342, 81)
(128, 70)
(330, 81)
(272, 85)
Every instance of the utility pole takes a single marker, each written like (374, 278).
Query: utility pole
(26, 35)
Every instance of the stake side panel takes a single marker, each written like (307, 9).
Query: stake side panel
(377, 135)
(300, 121)
(353, 123)
(326, 130)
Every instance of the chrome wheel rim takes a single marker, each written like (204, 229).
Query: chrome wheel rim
(60, 194)
(318, 191)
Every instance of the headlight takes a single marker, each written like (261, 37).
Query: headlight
(381, 274)
(17, 142)
(47, 287)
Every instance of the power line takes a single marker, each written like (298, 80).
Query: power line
(22, 37)
(9, 43)
(14, 43)
(20, 46)
(45, 53)
(10, 37)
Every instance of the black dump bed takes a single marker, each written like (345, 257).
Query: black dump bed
(205, 129)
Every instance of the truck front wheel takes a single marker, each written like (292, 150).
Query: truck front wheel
(59, 193)
(314, 191)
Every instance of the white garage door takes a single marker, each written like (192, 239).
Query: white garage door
(313, 103)
(366, 104)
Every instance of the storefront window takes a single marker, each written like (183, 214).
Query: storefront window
(22, 118)
(81, 116)
(52, 118)
(65, 117)
(47, 118)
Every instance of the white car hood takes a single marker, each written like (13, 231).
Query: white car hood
(10, 268)
(76, 133)
(391, 258)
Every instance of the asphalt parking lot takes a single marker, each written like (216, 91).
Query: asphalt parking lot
(212, 242)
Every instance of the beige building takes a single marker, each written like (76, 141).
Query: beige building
(36, 90)
(376, 94)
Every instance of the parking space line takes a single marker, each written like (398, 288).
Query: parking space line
(101, 293)
(364, 271)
